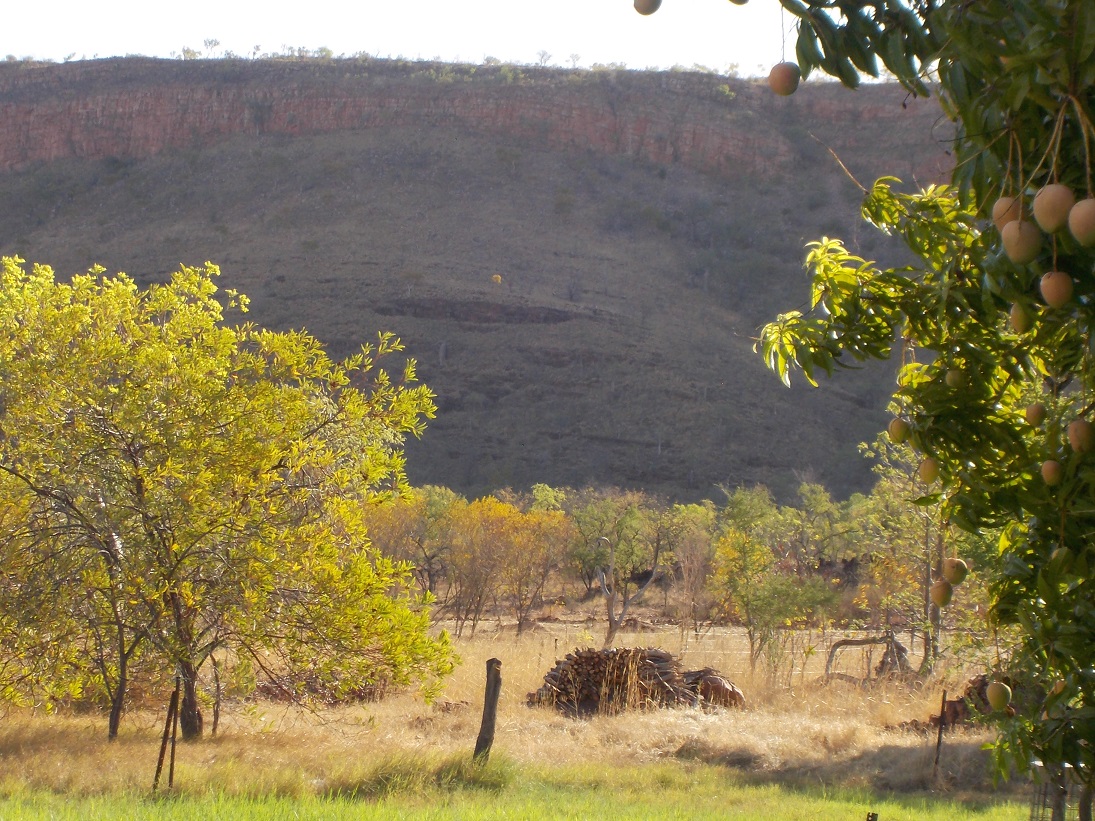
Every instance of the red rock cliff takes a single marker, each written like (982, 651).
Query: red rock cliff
(136, 107)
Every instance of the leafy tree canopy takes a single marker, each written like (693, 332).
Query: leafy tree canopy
(173, 487)
(984, 328)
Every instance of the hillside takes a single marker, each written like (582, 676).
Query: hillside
(643, 225)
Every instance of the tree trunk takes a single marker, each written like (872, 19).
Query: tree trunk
(117, 702)
(615, 622)
(117, 695)
(190, 712)
(613, 629)
(937, 627)
(935, 615)
(217, 693)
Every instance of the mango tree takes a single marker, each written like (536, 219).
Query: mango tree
(992, 321)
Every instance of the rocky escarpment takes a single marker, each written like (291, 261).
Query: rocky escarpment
(579, 261)
(137, 107)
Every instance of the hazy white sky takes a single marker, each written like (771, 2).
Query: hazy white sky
(712, 33)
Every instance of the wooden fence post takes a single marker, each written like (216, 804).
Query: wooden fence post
(490, 710)
(939, 737)
(172, 714)
(174, 734)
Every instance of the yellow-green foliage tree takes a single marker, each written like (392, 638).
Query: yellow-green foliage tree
(689, 534)
(752, 584)
(177, 487)
(415, 528)
(480, 533)
(988, 319)
(502, 555)
(587, 555)
(34, 664)
(743, 568)
(528, 557)
(619, 540)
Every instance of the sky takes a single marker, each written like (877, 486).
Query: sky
(715, 34)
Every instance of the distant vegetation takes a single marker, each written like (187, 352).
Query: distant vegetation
(745, 560)
(192, 497)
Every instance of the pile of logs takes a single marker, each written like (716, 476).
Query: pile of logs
(611, 681)
(964, 710)
(713, 689)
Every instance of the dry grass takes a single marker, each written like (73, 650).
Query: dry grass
(836, 736)
(808, 734)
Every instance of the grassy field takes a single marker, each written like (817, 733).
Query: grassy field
(808, 751)
(656, 792)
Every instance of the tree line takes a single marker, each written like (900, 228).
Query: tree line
(744, 560)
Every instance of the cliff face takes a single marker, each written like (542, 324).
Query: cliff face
(135, 108)
(578, 261)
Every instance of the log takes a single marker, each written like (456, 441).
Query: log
(839, 645)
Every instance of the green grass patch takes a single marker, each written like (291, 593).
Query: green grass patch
(410, 787)
(429, 776)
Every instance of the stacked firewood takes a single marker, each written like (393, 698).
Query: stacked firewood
(611, 681)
